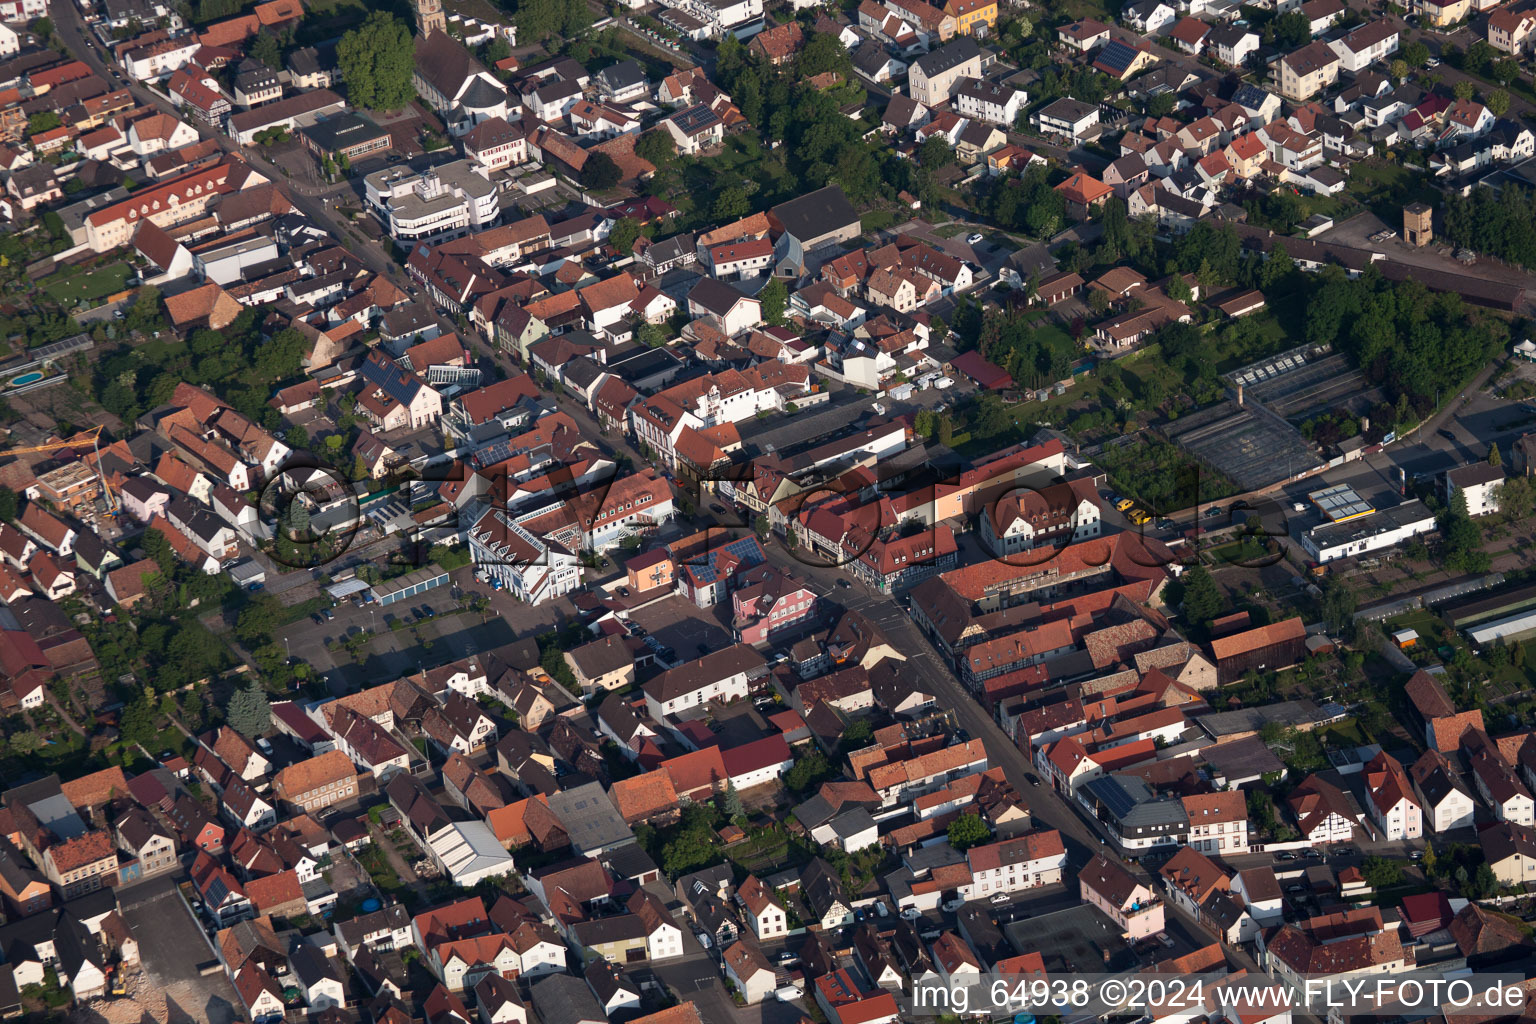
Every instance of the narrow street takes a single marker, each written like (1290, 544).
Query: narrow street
(76, 35)
(1047, 807)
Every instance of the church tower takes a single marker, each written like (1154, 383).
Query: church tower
(430, 17)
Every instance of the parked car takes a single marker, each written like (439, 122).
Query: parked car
(1164, 939)
(950, 906)
(788, 956)
(975, 239)
(911, 914)
(1298, 887)
(1125, 505)
(1285, 855)
(1313, 853)
(999, 899)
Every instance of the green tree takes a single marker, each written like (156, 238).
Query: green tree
(249, 712)
(1398, 69)
(649, 334)
(1290, 30)
(1463, 548)
(1202, 598)
(1494, 458)
(857, 735)
(25, 743)
(1504, 72)
(655, 147)
(600, 172)
(537, 20)
(297, 437)
(1464, 90)
(967, 831)
(1162, 104)
(158, 549)
(730, 802)
(808, 772)
(935, 153)
(1516, 499)
(377, 60)
(138, 720)
(1179, 290)
(1381, 873)
(774, 297)
(1416, 54)
(575, 19)
(624, 234)
(731, 203)
(259, 621)
(9, 505)
(1278, 265)
(266, 48)
(1497, 102)
(43, 121)
(495, 51)
(1338, 604)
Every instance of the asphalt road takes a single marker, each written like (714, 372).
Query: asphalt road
(1048, 809)
(76, 35)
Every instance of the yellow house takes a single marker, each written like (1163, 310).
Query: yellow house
(972, 17)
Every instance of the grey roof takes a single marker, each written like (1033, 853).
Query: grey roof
(342, 130)
(563, 999)
(715, 296)
(816, 213)
(606, 980)
(629, 861)
(311, 965)
(1068, 109)
(623, 75)
(590, 818)
(870, 57)
(482, 94)
(815, 812)
(851, 823)
(957, 52)
(1250, 97)
(305, 61)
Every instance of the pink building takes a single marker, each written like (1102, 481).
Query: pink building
(1130, 904)
(769, 601)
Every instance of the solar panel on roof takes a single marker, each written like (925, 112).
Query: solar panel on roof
(1113, 795)
(389, 378)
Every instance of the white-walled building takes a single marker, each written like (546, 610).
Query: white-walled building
(439, 203)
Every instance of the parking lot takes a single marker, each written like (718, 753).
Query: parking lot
(451, 633)
(171, 946)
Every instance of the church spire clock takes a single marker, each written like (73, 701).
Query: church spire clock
(429, 16)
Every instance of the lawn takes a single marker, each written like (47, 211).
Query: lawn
(1386, 186)
(72, 287)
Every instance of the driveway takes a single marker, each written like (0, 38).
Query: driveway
(697, 979)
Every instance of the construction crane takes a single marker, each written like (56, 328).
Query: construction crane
(113, 507)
